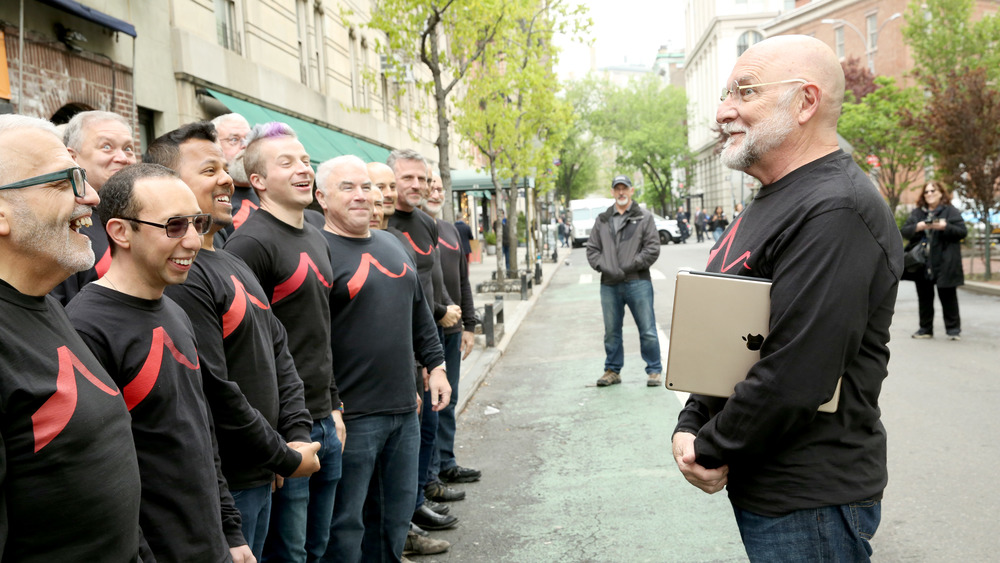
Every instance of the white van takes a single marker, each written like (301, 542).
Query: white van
(584, 212)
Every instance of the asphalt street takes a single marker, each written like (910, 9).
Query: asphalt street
(577, 473)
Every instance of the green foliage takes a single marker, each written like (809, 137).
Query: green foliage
(577, 172)
(490, 237)
(647, 122)
(943, 38)
(874, 127)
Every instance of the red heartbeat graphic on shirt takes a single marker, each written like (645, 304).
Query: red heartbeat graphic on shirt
(728, 243)
(50, 419)
(417, 248)
(446, 245)
(238, 308)
(360, 276)
(143, 383)
(103, 264)
(292, 284)
(244, 213)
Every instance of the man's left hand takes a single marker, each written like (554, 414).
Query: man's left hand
(709, 480)
(242, 554)
(440, 389)
(468, 340)
(338, 422)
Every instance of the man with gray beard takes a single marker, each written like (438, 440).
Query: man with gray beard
(824, 236)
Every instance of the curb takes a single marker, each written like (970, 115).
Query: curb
(489, 357)
(981, 288)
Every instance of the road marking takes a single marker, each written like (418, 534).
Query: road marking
(586, 278)
(682, 396)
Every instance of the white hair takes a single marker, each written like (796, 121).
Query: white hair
(230, 118)
(12, 122)
(73, 133)
(325, 169)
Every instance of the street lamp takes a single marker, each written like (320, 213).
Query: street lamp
(869, 49)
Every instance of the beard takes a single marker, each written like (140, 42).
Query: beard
(761, 138)
(52, 240)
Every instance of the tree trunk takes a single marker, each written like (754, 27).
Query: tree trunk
(442, 142)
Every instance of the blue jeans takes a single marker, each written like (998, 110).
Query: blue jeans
(428, 436)
(302, 508)
(444, 453)
(380, 461)
(831, 533)
(638, 295)
(255, 511)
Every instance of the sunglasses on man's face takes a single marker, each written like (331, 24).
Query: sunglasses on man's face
(177, 227)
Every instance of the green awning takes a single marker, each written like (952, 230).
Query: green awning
(321, 143)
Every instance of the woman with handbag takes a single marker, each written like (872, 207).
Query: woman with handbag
(936, 227)
(718, 222)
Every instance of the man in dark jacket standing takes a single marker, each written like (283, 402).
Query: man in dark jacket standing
(622, 246)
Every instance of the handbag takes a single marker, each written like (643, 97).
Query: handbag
(915, 258)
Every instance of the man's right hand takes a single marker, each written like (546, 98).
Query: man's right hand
(453, 315)
(310, 458)
(709, 480)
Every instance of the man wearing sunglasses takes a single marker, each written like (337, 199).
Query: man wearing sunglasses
(292, 262)
(147, 344)
(71, 480)
(101, 143)
(827, 240)
(239, 341)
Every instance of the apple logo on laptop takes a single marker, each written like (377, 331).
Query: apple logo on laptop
(754, 342)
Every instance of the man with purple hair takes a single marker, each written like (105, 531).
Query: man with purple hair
(292, 262)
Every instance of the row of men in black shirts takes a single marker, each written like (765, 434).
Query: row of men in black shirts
(229, 377)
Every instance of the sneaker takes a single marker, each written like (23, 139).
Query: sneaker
(609, 378)
(460, 475)
(422, 545)
(922, 334)
(956, 336)
(440, 492)
(654, 380)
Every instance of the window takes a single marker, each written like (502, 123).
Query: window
(225, 24)
(747, 39)
(839, 40)
(320, 22)
(871, 25)
(147, 132)
(355, 74)
(302, 27)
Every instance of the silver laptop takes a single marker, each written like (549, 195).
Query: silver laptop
(719, 323)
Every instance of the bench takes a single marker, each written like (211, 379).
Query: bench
(493, 321)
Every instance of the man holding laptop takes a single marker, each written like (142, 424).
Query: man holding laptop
(827, 241)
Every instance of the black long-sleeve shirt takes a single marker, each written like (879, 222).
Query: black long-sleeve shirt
(242, 347)
(148, 347)
(293, 267)
(828, 242)
(70, 480)
(421, 231)
(378, 320)
(455, 268)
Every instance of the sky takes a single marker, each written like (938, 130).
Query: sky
(624, 32)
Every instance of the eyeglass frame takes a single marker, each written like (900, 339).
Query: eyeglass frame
(736, 87)
(234, 140)
(189, 223)
(67, 174)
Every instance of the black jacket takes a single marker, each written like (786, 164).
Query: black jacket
(945, 250)
(625, 254)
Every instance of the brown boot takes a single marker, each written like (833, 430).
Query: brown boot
(609, 378)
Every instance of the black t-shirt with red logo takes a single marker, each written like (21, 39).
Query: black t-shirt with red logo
(293, 268)
(148, 347)
(69, 472)
(378, 319)
(455, 268)
(421, 232)
(241, 341)
(67, 290)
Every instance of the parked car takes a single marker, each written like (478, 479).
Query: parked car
(668, 229)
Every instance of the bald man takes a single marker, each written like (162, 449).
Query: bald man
(823, 235)
(384, 179)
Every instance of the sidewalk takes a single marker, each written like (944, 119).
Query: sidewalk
(482, 359)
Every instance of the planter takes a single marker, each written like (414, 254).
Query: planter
(491, 249)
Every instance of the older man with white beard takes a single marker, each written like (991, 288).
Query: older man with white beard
(829, 243)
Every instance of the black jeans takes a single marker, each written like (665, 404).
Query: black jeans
(949, 307)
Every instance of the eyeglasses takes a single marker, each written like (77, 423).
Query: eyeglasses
(77, 178)
(740, 92)
(233, 141)
(177, 227)
(930, 191)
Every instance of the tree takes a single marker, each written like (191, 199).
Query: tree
(647, 122)
(943, 38)
(577, 170)
(874, 126)
(510, 112)
(447, 37)
(961, 128)
(858, 79)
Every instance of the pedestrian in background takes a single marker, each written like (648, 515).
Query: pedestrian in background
(622, 246)
(804, 485)
(940, 225)
(718, 222)
(683, 224)
(700, 223)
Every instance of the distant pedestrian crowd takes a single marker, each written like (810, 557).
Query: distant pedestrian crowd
(219, 354)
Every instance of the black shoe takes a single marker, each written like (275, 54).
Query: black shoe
(414, 529)
(440, 492)
(441, 509)
(430, 520)
(923, 334)
(460, 475)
